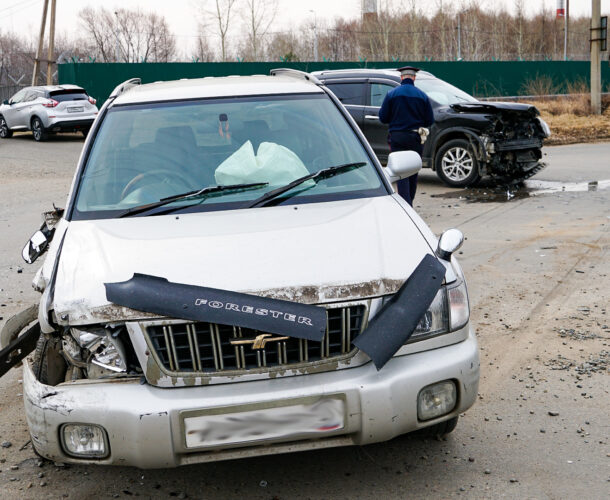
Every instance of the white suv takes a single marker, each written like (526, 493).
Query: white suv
(233, 276)
(47, 110)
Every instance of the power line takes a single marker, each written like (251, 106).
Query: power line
(26, 4)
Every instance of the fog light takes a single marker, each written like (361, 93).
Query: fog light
(436, 400)
(84, 440)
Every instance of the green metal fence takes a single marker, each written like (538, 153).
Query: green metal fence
(483, 79)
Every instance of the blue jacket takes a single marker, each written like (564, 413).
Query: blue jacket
(406, 108)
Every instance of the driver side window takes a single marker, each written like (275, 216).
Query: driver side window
(18, 97)
(378, 92)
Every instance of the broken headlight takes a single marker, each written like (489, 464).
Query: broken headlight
(101, 351)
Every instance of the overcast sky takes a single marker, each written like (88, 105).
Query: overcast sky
(23, 16)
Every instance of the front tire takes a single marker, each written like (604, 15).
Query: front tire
(38, 130)
(5, 132)
(456, 164)
(49, 366)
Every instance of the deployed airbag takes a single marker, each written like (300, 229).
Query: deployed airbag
(399, 317)
(175, 300)
(273, 163)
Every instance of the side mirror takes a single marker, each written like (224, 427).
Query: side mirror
(38, 243)
(5, 101)
(450, 241)
(402, 164)
(36, 246)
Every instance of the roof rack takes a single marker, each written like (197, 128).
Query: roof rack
(295, 73)
(126, 85)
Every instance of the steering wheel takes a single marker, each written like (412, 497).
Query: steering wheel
(162, 173)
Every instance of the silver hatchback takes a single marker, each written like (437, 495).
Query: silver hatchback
(47, 110)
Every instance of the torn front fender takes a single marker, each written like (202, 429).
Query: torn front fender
(16, 323)
(20, 346)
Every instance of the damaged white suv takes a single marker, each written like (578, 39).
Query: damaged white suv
(233, 275)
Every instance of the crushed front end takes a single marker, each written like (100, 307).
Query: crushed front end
(511, 140)
(158, 392)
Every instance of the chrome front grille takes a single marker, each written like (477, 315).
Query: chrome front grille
(206, 347)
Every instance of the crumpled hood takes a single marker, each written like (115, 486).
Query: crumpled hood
(311, 253)
(496, 107)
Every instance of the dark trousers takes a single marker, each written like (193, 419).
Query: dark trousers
(406, 141)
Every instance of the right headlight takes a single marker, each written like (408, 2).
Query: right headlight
(448, 312)
(545, 127)
(101, 352)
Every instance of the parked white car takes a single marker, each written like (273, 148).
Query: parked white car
(233, 275)
(47, 110)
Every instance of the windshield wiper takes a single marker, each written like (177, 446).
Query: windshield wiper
(325, 173)
(205, 193)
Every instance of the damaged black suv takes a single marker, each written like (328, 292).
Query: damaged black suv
(469, 138)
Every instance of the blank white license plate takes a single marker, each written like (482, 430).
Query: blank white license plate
(76, 110)
(284, 422)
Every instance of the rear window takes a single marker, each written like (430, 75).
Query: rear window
(69, 95)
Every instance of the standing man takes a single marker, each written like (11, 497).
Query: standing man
(406, 109)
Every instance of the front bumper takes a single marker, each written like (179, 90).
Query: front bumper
(144, 423)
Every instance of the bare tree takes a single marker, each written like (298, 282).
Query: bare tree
(203, 50)
(258, 17)
(519, 26)
(221, 12)
(128, 35)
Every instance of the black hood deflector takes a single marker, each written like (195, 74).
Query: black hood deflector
(197, 303)
(395, 323)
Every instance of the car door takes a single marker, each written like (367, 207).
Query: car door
(27, 109)
(375, 131)
(351, 94)
(13, 112)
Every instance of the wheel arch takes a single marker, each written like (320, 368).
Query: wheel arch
(32, 119)
(460, 133)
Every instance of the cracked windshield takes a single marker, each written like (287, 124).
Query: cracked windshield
(145, 153)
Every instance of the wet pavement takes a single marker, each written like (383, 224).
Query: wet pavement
(527, 189)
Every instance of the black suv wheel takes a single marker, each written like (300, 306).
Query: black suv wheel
(456, 163)
(5, 132)
(38, 130)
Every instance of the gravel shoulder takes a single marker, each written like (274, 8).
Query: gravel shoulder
(538, 271)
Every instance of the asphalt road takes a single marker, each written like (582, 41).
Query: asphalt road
(537, 263)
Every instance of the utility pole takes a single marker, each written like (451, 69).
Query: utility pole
(116, 45)
(459, 39)
(566, 26)
(40, 42)
(596, 74)
(51, 45)
(315, 36)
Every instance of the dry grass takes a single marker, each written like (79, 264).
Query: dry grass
(570, 119)
(568, 116)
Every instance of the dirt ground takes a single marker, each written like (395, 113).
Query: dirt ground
(537, 263)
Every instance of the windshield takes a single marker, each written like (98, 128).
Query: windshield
(147, 152)
(442, 92)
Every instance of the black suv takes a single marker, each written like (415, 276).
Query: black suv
(469, 138)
